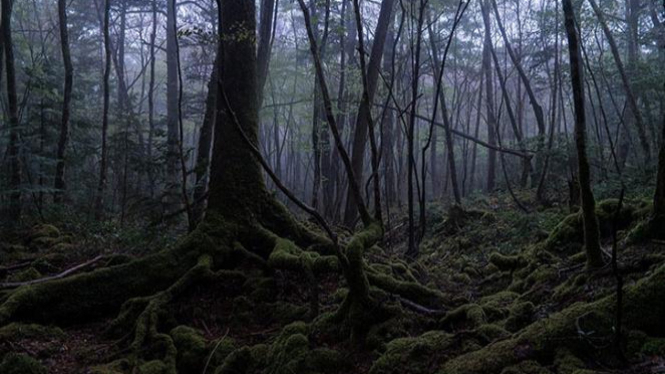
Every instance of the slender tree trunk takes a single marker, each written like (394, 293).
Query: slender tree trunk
(64, 124)
(412, 248)
(151, 99)
(361, 125)
(268, 8)
(537, 108)
(13, 152)
(489, 88)
(172, 110)
(632, 100)
(99, 201)
(591, 230)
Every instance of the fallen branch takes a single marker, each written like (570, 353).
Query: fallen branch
(53, 277)
(421, 309)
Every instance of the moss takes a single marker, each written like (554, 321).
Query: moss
(542, 274)
(413, 355)
(153, 367)
(15, 363)
(654, 347)
(521, 314)
(507, 263)
(87, 296)
(526, 367)
(194, 351)
(643, 310)
(570, 287)
(567, 235)
(25, 275)
(43, 231)
(121, 366)
(469, 315)
(566, 362)
(491, 332)
(461, 278)
(14, 331)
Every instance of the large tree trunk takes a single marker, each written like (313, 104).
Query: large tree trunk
(14, 212)
(362, 125)
(591, 231)
(67, 98)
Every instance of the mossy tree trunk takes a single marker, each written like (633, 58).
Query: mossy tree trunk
(591, 231)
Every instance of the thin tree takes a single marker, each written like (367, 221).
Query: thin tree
(630, 96)
(66, 103)
(591, 230)
(14, 212)
(99, 200)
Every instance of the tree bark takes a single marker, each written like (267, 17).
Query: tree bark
(14, 211)
(64, 124)
(172, 110)
(99, 200)
(489, 89)
(591, 230)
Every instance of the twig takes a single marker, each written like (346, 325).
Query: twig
(53, 277)
(421, 309)
(212, 353)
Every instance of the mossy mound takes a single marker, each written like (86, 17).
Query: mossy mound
(194, 351)
(15, 331)
(15, 363)
(419, 355)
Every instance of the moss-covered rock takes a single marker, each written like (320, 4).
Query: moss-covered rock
(15, 363)
(521, 315)
(468, 316)
(417, 355)
(507, 263)
(25, 275)
(526, 367)
(15, 331)
(194, 350)
(566, 362)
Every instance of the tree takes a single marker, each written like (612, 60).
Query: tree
(630, 96)
(362, 125)
(101, 186)
(591, 230)
(66, 103)
(172, 107)
(489, 88)
(13, 153)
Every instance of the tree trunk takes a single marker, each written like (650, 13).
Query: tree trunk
(489, 88)
(64, 124)
(99, 200)
(172, 110)
(537, 108)
(591, 230)
(362, 125)
(632, 101)
(14, 212)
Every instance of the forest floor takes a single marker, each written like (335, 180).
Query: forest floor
(518, 300)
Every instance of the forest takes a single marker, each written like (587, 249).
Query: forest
(332, 186)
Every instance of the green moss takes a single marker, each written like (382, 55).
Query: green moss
(194, 350)
(491, 332)
(25, 275)
(521, 314)
(43, 231)
(153, 367)
(566, 362)
(15, 363)
(469, 315)
(507, 263)
(121, 366)
(570, 287)
(413, 355)
(643, 310)
(526, 367)
(654, 347)
(14, 331)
